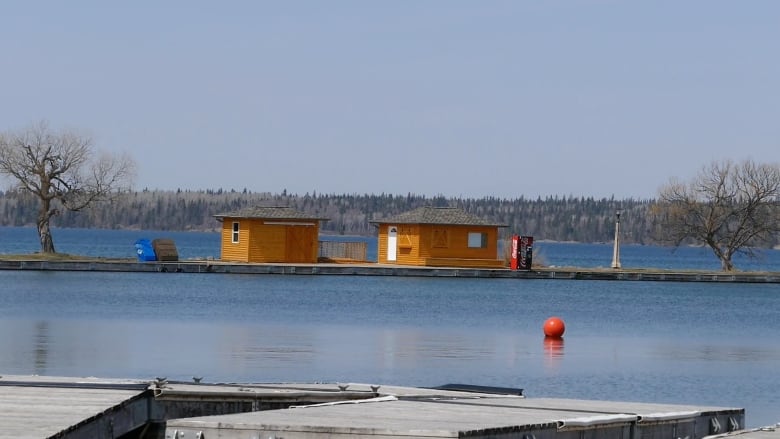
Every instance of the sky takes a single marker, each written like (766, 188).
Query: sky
(458, 98)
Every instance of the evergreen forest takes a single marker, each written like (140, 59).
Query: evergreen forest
(576, 219)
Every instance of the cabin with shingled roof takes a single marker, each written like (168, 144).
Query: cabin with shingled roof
(269, 234)
(438, 237)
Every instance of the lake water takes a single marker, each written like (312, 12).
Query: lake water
(692, 343)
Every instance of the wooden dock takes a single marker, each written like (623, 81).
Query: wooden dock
(472, 416)
(373, 269)
(34, 407)
(37, 407)
(62, 407)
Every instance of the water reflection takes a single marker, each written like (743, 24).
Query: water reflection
(712, 353)
(437, 346)
(41, 347)
(268, 345)
(553, 351)
(179, 350)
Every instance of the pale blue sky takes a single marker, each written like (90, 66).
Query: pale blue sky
(460, 98)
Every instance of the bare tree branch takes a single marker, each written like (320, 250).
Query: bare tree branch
(62, 169)
(728, 207)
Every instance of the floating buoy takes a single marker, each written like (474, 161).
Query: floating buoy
(554, 327)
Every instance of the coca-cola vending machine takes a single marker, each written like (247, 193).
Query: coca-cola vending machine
(522, 252)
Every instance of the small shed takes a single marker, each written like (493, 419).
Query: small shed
(438, 236)
(269, 234)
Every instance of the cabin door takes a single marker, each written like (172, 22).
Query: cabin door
(299, 244)
(392, 243)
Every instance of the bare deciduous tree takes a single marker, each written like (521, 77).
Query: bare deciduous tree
(63, 171)
(729, 207)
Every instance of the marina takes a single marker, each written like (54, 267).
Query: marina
(390, 220)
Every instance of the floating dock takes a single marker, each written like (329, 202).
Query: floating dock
(373, 269)
(34, 407)
(458, 416)
(61, 407)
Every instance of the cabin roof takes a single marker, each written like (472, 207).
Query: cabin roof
(438, 215)
(270, 212)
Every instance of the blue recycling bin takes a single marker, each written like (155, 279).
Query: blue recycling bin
(145, 250)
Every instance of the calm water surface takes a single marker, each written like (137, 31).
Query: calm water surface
(711, 344)
(705, 344)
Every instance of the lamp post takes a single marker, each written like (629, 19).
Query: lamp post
(616, 249)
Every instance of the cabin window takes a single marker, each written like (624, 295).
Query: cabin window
(234, 235)
(477, 240)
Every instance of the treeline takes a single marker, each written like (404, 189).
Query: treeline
(581, 219)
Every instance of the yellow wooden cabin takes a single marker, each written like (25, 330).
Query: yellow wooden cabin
(439, 237)
(269, 234)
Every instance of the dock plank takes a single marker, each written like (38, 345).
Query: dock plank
(40, 407)
(457, 417)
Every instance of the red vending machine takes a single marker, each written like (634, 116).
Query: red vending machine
(522, 252)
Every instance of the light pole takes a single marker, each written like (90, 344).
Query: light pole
(616, 249)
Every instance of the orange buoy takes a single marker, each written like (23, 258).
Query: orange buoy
(554, 327)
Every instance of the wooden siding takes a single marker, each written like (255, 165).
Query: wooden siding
(381, 244)
(457, 237)
(301, 244)
(421, 244)
(235, 252)
(465, 263)
(269, 241)
(409, 248)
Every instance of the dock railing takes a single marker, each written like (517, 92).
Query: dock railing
(343, 251)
